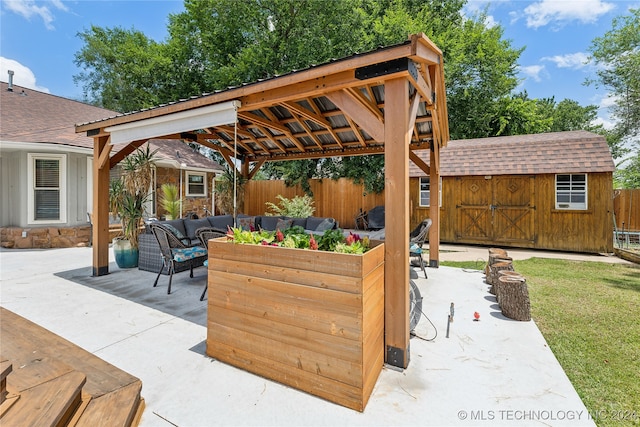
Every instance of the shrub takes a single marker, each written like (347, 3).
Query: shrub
(298, 207)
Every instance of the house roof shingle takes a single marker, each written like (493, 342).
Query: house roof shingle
(557, 152)
(31, 116)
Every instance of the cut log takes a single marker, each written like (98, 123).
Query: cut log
(494, 270)
(513, 297)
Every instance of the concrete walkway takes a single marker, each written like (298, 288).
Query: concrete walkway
(492, 372)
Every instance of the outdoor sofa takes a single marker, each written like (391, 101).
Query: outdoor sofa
(150, 257)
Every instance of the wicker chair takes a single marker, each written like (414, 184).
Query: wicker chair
(417, 239)
(204, 234)
(175, 252)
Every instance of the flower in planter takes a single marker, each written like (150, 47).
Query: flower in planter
(296, 238)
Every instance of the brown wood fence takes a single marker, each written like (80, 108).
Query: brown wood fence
(340, 199)
(626, 207)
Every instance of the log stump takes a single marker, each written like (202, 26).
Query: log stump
(513, 297)
(493, 254)
(498, 283)
(494, 269)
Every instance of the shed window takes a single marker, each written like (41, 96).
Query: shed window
(47, 188)
(425, 191)
(571, 191)
(196, 184)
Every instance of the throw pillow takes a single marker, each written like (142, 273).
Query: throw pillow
(283, 224)
(326, 224)
(177, 233)
(247, 223)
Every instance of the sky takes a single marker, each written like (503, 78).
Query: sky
(38, 40)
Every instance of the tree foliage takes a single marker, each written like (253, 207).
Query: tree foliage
(617, 55)
(214, 44)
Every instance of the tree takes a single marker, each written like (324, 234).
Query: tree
(120, 69)
(617, 57)
(629, 175)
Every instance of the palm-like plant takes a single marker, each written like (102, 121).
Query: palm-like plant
(225, 189)
(128, 195)
(170, 200)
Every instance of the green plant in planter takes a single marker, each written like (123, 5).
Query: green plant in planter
(128, 195)
(298, 207)
(297, 238)
(170, 200)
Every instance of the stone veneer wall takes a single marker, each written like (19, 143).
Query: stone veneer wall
(44, 237)
(190, 204)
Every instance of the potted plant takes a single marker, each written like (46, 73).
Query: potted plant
(170, 200)
(127, 197)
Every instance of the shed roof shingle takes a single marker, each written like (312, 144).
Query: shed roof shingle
(557, 152)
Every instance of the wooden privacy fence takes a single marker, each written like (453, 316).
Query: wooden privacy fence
(626, 207)
(340, 199)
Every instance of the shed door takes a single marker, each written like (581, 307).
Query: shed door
(497, 209)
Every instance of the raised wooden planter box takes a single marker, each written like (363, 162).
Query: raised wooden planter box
(311, 320)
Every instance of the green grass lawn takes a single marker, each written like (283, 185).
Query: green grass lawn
(589, 313)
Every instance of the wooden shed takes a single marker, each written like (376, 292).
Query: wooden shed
(545, 191)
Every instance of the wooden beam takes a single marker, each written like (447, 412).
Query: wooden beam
(419, 162)
(100, 211)
(104, 155)
(338, 152)
(396, 191)
(259, 120)
(422, 87)
(256, 168)
(309, 115)
(125, 151)
(360, 114)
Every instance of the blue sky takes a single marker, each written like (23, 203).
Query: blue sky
(38, 39)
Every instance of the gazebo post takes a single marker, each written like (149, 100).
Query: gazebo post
(397, 133)
(434, 206)
(100, 220)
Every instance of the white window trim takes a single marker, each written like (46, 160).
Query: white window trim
(90, 184)
(31, 170)
(420, 192)
(204, 180)
(573, 206)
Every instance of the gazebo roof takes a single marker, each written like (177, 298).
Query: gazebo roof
(332, 109)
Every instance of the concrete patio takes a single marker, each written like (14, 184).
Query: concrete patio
(492, 372)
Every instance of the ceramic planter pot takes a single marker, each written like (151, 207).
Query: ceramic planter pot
(126, 255)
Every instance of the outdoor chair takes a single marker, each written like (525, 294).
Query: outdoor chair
(204, 234)
(175, 252)
(417, 239)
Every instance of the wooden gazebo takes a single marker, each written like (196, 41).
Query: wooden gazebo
(391, 100)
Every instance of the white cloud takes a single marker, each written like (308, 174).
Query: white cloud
(571, 60)
(560, 12)
(534, 72)
(604, 117)
(29, 9)
(23, 76)
(490, 22)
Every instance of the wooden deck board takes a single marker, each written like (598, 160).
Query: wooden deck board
(107, 396)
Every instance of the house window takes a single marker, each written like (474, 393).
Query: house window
(47, 188)
(425, 192)
(196, 184)
(571, 191)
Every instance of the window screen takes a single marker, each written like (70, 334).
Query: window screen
(571, 191)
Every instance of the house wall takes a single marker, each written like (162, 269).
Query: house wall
(15, 230)
(190, 204)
